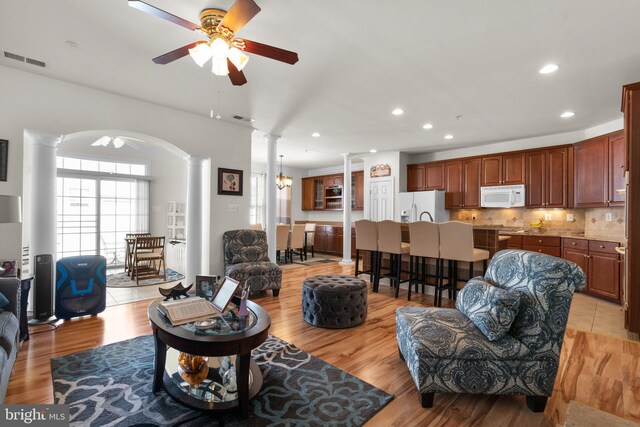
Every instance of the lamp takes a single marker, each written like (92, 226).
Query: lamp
(10, 211)
(218, 50)
(282, 180)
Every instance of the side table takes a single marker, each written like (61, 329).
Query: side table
(24, 302)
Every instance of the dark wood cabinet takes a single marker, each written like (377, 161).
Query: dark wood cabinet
(453, 198)
(580, 257)
(416, 177)
(471, 195)
(434, 175)
(547, 178)
(325, 192)
(604, 276)
(491, 171)
(308, 194)
(592, 170)
(617, 167)
(513, 169)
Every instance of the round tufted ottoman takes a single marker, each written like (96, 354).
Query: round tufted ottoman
(334, 301)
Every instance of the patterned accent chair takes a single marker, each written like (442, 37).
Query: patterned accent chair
(246, 260)
(447, 353)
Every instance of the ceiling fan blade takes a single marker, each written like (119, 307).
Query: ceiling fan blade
(237, 77)
(175, 54)
(270, 52)
(240, 13)
(152, 10)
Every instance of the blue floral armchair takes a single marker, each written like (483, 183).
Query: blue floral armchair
(246, 260)
(447, 353)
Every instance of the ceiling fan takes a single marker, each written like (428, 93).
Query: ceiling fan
(117, 141)
(225, 50)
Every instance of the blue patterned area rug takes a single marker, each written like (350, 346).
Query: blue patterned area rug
(111, 385)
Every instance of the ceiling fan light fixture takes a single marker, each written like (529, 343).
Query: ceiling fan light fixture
(219, 48)
(200, 54)
(118, 142)
(238, 58)
(219, 66)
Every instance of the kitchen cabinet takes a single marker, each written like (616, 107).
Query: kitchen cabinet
(328, 239)
(416, 177)
(600, 263)
(543, 244)
(547, 178)
(599, 171)
(471, 179)
(453, 198)
(325, 192)
(434, 175)
(308, 193)
(507, 169)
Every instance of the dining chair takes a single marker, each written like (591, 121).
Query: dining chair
(390, 241)
(425, 245)
(150, 252)
(256, 227)
(282, 241)
(310, 231)
(456, 244)
(296, 245)
(130, 240)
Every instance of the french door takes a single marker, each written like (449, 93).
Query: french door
(95, 214)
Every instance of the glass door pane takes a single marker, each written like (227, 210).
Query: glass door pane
(77, 216)
(118, 205)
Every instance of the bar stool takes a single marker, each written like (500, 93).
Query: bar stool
(390, 241)
(367, 240)
(425, 243)
(456, 244)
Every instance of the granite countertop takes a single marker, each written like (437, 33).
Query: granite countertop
(572, 234)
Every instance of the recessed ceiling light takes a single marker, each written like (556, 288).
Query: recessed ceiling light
(427, 126)
(315, 135)
(373, 150)
(448, 136)
(549, 68)
(397, 112)
(567, 114)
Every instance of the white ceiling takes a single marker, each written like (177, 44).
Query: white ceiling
(359, 59)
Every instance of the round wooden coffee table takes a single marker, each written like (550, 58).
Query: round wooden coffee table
(231, 337)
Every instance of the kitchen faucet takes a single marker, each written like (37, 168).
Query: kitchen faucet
(426, 212)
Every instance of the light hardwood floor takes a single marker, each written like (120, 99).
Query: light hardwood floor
(596, 370)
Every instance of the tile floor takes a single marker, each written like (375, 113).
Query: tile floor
(599, 316)
(117, 296)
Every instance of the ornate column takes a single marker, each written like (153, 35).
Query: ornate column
(272, 171)
(195, 207)
(346, 211)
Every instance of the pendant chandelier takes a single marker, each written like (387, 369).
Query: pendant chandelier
(283, 181)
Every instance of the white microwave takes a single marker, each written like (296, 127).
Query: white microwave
(503, 196)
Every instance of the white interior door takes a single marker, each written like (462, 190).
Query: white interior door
(381, 199)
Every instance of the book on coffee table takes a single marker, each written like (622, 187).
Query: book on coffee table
(187, 310)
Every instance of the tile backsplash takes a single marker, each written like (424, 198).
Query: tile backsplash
(591, 221)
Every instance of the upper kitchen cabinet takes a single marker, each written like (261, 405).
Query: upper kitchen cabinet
(357, 190)
(416, 177)
(434, 175)
(325, 192)
(547, 176)
(599, 171)
(462, 184)
(308, 193)
(507, 169)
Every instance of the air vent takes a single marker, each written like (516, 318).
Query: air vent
(36, 62)
(23, 59)
(242, 118)
(13, 56)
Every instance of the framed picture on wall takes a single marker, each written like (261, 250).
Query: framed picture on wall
(4, 158)
(230, 182)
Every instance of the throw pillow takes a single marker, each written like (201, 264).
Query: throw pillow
(490, 308)
(4, 302)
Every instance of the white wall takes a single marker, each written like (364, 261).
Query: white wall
(168, 173)
(40, 103)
